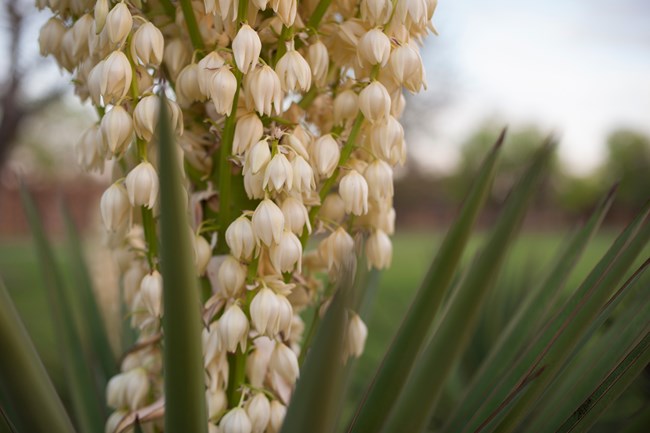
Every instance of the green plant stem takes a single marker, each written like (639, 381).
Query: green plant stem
(169, 8)
(150, 237)
(237, 377)
(285, 35)
(317, 15)
(192, 26)
(310, 336)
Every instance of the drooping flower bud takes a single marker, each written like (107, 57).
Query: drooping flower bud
(142, 185)
(115, 207)
(354, 192)
(148, 45)
(265, 312)
(374, 102)
(248, 131)
(325, 154)
(278, 174)
(318, 58)
(357, 332)
(151, 289)
(259, 156)
(303, 175)
(278, 411)
(387, 139)
(235, 421)
(177, 56)
(117, 130)
(202, 254)
(376, 12)
(246, 48)
(295, 215)
(187, 85)
(101, 11)
(379, 250)
(258, 409)
(240, 238)
(374, 48)
(333, 208)
(233, 328)
(145, 117)
(379, 176)
(208, 66)
(406, 66)
(285, 363)
(337, 248)
(115, 79)
(128, 389)
(268, 222)
(90, 150)
(287, 253)
(294, 72)
(231, 276)
(263, 90)
(222, 89)
(346, 106)
(50, 36)
(286, 10)
(118, 24)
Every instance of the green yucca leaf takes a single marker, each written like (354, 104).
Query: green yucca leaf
(315, 403)
(85, 302)
(610, 388)
(87, 400)
(399, 359)
(24, 378)
(527, 317)
(571, 330)
(593, 364)
(185, 407)
(496, 399)
(417, 401)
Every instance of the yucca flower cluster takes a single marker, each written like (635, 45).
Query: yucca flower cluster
(287, 114)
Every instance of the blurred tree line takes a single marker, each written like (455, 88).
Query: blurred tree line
(564, 195)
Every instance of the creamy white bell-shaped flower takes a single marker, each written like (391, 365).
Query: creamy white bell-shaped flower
(379, 175)
(231, 276)
(128, 389)
(115, 207)
(142, 185)
(177, 56)
(235, 421)
(319, 61)
(187, 86)
(94, 83)
(208, 66)
(406, 67)
(253, 184)
(287, 253)
(286, 317)
(117, 130)
(265, 312)
(278, 412)
(374, 102)
(223, 86)
(80, 31)
(248, 131)
(373, 48)
(294, 72)
(337, 248)
(346, 106)
(284, 362)
(286, 10)
(151, 290)
(115, 78)
(50, 36)
(412, 13)
(303, 175)
(100, 14)
(217, 402)
(258, 409)
(240, 238)
(202, 254)
(145, 117)
(246, 48)
(379, 250)
(387, 140)
(295, 142)
(259, 156)
(325, 154)
(356, 335)
(268, 222)
(278, 174)
(148, 45)
(91, 150)
(376, 12)
(233, 329)
(295, 215)
(333, 208)
(118, 24)
(353, 189)
(264, 90)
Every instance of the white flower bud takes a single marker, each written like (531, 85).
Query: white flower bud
(259, 156)
(278, 411)
(286, 316)
(231, 276)
(222, 88)
(177, 56)
(142, 185)
(265, 312)
(411, 12)
(115, 79)
(101, 11)
(319, 61)
(357, 332)
(406, 66)
(353, 189)
(114, 420)
(151, 289)
(253, 184)
(285, 363)
(233, 329)
(117, 130)
(118, 24)
(258, 409)
(286, 10)
(49, 39)
(374, 102)
(115, 207)
(294, 72)
(337, 247)
(295, 142)
(128, 390)
(325, 154)
(94, 83)
(379, 250)
(248, 131)
(187, 85)
(286, 253)
(374, 48)
(80, 31)
(376, 12)
(211, 343)
(295, 215)
(263, 90)
(90, 150)
(217, 402)
(246, 48)
(235, 421)
(145, 117)
(346, 106)
(208, 66)
(268, 222)
(379, 176)
(387, 139)
(202, 254)
(303, 175)
(278, 174)
(333, 208)
(240, 238)
(148, 45)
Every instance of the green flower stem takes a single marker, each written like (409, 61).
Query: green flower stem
(169, 9)
(236, 376)
(192, 26)
(317, 15)
(285, 35)
(149, 226)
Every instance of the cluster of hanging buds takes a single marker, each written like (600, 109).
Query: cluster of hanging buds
(287, 115)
